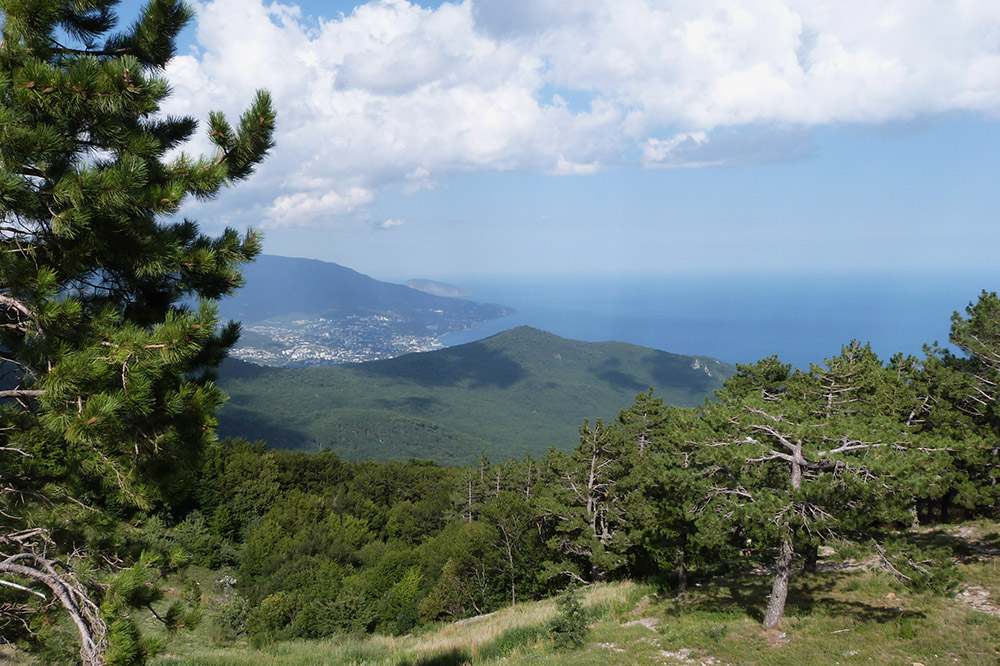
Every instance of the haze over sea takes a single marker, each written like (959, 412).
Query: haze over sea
(737, 318)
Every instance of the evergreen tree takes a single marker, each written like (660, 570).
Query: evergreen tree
(800, 457)
(581, 507)
(569, 626)
(965, 391)
(663, 488)
(107, 399)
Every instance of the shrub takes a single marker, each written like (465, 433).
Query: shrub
(268, 622)
(569, 627)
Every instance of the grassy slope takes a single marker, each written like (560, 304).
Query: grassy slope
(518, 392)
(843, 617)
(833, 617)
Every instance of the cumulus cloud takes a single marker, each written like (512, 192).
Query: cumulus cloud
(397, 95)
(302, 208)
(388, 224)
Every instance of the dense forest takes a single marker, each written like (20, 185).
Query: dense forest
(519, 392)
(848, 454)
(112, 478)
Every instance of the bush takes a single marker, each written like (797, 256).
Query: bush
(231, 620)
(351, 612)
(269, 621)
(569, 627)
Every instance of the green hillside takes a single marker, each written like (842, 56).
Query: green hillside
(521, 391)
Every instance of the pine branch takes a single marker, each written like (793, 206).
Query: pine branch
(21, 393)
(22, 588)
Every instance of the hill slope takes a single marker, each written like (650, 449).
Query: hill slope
(521, 391)
(304, 312)
(285, 287)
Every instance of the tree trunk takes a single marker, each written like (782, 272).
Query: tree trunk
(811, 557)
(944, 506)
(513, 569)
(682, 578)
(779, 590)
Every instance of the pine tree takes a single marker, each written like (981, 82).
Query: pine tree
(107, 396)
(663, 488)
(966, 405)
(581, 507)
(801, 457)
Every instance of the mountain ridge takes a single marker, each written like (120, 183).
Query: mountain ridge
(518, 392)
(299, 312)
(266, 294)
(438, 288)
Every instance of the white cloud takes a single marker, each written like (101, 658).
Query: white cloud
(664, 151)
(396, 94)
(303, 208)
(389, 224)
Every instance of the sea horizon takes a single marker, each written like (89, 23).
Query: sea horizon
(736, 317)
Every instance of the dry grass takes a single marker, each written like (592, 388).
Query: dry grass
(11, 657)
(846, 617)
(471, 635)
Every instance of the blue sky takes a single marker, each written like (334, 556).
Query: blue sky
(500, 137)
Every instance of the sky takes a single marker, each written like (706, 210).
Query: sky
(642, 137)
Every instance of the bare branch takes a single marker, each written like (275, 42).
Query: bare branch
(12, 303)
(73, 597)
(22, 588)
(21, 393)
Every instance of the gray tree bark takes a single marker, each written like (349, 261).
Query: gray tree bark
(779, 590)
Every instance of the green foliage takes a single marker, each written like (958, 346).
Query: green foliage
(200, 541)
(569, 627)
(965, 413)
(516, 393)
(109, 335)
(920, 567)
(230, 620)
(589, 526)
(327, 547)
(353, 611)
(806, 456)
(523, 638)
(270, 620)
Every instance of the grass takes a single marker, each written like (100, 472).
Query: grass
(505, 635)
(834, 617)
(845, 617)
(11, 657)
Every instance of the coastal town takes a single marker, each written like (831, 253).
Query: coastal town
(325, 341)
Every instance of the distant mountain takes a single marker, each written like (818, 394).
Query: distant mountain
(438, 288)
(521, 391)
(305, 312)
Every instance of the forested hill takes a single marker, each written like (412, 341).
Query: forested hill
(521, 391)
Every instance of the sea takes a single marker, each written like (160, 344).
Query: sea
(739, 318)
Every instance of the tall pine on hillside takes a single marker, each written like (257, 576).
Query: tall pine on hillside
(804, 457)
(105, 395)
(968, 408)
